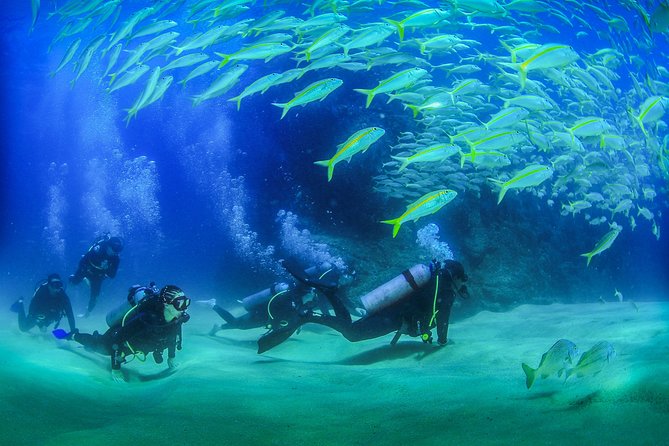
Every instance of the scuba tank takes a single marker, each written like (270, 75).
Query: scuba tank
(136, 294)
(397, 288)
(262, 297)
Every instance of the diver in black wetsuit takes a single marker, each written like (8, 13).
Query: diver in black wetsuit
(279, 304)
(416, 313)
(100, 261)
(48, 305)
(151, 326)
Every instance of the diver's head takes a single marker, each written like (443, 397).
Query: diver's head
(115, 244)
(174, 300)
(55, 283)
(456, 270)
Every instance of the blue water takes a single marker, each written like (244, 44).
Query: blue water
(201, 209)
(211, 198)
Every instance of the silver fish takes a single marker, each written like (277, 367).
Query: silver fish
(562, 354)
(593, 361)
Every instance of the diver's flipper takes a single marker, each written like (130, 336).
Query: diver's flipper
(225, 315)
(16, 306)
(275, 337)
(59, 333)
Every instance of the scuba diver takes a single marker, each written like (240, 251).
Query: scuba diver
(48, 306)
(150, 325)
(412, 303)
(100, 261)
(279, 304)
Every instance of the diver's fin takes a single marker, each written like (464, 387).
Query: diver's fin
(275, 337)
(396, 338)
(300, 275)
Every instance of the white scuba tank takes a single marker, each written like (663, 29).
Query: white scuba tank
(396, 289)
(115, 316)
(262, 297)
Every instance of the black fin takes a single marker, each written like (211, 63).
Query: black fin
(275, 337)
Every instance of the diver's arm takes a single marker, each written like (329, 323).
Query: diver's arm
(174, 344)
(67, 306)
(112, 266)
(443, 315)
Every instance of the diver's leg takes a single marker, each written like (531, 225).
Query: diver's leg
(224, 314)
(95, 342)
(96, 286)
(338, 306)
(372, 326)
(26, 322)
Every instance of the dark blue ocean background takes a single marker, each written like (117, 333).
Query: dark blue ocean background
(201, 209)
(211, 198)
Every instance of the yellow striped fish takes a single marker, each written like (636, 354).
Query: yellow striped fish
(358, 142)
(425, 205)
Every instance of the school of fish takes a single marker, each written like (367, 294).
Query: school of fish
(581, 130)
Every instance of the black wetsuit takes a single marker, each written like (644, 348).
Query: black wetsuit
(413, 315)
(95, 266)
(277, 311)
(143, 331)
(46, 309)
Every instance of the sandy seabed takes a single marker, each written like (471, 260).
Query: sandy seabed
(319, 389)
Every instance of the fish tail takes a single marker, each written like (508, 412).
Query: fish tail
(396, 222)
(530, 375)
(589, 256)
(369, 93)
(399, 26)
(403, 160)
(283, 106)
(510, 50)
(523, 76)
(462, 159)
(502, 191)
(414, 109)
(329, 165)
(226, 59)
(131, 114)
(237, 99)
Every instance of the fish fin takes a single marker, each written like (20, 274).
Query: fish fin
(329, 165)
(369, 93)
(414, 109)
(529, 375)
(226, 59)
(589, 255)
(283, 106)
(403, 160)
(396, 225)
(399, 26)
(502, 192)
(237, 99)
